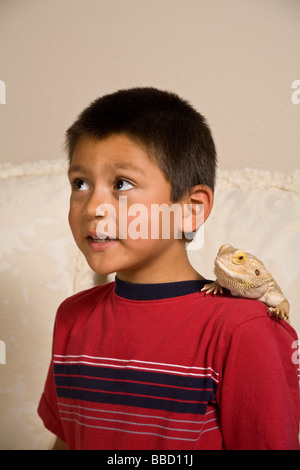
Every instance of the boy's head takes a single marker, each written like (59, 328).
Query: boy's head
(142, 166)
(169, 128)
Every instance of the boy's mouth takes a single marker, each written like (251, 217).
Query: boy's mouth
(102, 239)
(100, 243)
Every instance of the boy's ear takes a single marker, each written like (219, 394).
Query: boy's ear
(197, 207)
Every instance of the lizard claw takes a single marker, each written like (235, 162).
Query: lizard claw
(281, 311)
(213, 287)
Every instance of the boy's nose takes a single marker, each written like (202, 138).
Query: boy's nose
(94, 205)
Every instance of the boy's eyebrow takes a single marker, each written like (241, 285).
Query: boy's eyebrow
(128, 166)
(74, 168)
(117, 165)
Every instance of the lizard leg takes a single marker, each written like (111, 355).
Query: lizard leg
(213, 287)
(281, 311)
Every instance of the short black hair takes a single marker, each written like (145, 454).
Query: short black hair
(170, 129)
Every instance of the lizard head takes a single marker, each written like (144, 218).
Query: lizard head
(241, 272)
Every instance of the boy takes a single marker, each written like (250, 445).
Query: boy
(149, 361)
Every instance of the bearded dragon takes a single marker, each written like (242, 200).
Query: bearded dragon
(246, 276)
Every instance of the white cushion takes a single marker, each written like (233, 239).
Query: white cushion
(40, 266)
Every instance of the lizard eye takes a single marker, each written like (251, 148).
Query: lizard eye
(257, 272)
(240, 257)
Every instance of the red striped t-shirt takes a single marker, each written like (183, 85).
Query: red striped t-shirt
(165, 367)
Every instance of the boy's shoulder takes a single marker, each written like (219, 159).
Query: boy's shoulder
(85, 300)
(231, 314)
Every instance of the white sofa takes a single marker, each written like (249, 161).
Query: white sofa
(256, 210)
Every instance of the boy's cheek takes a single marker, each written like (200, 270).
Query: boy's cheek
(74, 222)
(142, 222)
(71, 217)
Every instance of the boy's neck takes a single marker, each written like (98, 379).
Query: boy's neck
(175, 270)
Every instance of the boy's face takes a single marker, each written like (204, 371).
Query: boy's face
(100, 173)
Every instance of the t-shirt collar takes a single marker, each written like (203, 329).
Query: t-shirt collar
(167, 290)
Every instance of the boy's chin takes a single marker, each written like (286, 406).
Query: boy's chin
(101, 272)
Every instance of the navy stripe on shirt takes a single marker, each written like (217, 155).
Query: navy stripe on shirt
(180, 394)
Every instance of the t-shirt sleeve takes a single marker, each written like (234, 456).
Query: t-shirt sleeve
(48, 407)
(259, 395)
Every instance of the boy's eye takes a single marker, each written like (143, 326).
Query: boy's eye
(80, 185)
(122, 185)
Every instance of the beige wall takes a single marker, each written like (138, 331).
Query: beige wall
(235, 60)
